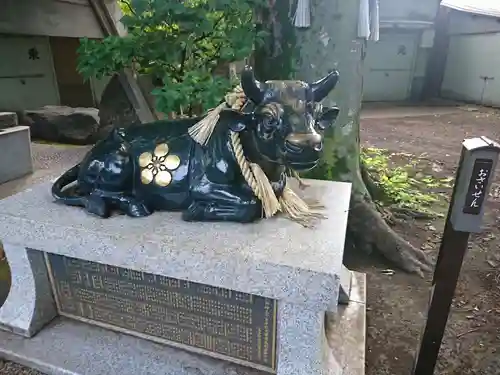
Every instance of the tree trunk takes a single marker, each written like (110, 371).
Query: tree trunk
(331, 42)
(276, 58)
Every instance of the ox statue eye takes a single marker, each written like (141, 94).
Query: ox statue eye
(270, 123)
(267, 126)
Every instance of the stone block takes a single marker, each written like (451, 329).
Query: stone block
(16, 160)
(276, 259)
(345, 285)
(29, 305)
(67, 347)
(302, 345)
(346, 329)
(8, 119)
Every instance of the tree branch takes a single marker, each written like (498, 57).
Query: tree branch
(129, 6)
(197, 40)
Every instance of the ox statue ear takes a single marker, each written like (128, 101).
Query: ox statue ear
(323, 87)
(236, 121)
(328, 117)
(251, 87)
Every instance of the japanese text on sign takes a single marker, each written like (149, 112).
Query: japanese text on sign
(476, 193)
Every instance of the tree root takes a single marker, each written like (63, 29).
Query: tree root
(373, 189)
(407, 213)
(369, 231)
(377, 193)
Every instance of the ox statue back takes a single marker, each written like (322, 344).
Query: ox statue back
(159, 166)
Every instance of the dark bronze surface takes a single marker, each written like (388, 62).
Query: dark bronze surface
(157, 166)
(235, 325)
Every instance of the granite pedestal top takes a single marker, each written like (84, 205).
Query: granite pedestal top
(275, 258)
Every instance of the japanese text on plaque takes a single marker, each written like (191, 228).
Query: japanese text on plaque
(232, 324)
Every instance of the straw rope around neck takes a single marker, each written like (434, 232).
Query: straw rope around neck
(290, 204)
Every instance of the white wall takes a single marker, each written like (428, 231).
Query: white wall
(26, 83)
(470, 59)
(389, 66)
(73, 18)
(472, 56)
(467, 23)
(421, 10)
(400, 16)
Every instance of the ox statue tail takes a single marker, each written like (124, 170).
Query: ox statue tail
(70, 198)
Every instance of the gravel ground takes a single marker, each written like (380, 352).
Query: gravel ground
(11, 368)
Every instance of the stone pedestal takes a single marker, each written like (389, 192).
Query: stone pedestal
(15, 145)
(298, 268)
(29, 305)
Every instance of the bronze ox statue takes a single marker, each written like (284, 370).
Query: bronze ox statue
(158, 166)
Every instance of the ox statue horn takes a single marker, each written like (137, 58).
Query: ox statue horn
(251, 87)
(323, 87)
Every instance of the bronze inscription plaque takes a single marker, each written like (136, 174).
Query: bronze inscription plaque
(237, 326)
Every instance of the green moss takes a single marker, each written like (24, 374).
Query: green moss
(403, 184)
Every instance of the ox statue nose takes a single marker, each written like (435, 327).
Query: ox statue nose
(297, 142)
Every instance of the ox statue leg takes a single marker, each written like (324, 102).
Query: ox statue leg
(223, 203)
(102, 203)
(132, 206)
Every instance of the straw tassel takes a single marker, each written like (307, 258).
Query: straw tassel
(270, 203)
(298, 210)
(302, 18)
(202, 130)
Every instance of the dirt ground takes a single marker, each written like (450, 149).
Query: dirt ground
(397, 303)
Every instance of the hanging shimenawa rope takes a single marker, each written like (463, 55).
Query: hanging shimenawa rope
(289, 203)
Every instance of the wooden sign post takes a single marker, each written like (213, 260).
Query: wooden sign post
(472, 184)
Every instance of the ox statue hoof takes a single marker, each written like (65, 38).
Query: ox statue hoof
(195, 211)
(97, 205)
(138, 209)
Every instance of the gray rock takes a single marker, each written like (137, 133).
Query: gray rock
(63, 124)
(8, 119)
